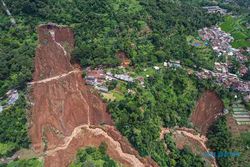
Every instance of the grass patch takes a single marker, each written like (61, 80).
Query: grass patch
(6, 149)
(108, 96)
(25, 163)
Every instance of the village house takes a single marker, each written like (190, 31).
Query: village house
(215, 9)
(124, 77)
(102, 89)
(95, 77)
(221, 67)
(172, 64)
(11, 96)
(156, 68)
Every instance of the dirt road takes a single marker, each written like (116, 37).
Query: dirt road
(55, 77)
(192, 136)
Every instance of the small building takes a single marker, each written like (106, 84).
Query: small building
(95, 77)
(102, 89)
(225, 111)
(124, 77)
(215, 9)
(12, 97)
(156, 68)
(173, 64)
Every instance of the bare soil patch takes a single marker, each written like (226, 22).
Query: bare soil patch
(64, 109)
(207, 110)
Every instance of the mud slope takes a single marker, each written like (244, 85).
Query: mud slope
(196, 142)
(208, 108)
(64, 109)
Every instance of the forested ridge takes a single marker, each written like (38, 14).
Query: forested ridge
(149, 32)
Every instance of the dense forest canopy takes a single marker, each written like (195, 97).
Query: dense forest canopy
(148, 31)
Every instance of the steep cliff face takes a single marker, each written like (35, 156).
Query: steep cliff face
(65, 115)
(208, 108)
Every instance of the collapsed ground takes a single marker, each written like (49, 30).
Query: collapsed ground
(152, 32)
(65, 115)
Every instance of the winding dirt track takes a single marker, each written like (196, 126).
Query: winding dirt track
(189, 133)
(55, 77)
(65, 115)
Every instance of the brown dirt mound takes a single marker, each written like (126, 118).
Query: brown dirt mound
(62, 104)
(208, 108)
(125, 62)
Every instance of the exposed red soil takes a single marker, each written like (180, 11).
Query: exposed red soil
(125, 62)
(94, 136)
(208, 108)
(64, 108)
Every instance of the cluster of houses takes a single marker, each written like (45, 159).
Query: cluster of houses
(11, 97)
(220, 42)
(98, 78)
(224, 77)
(215, 9)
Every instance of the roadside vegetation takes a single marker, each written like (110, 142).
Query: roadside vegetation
(94, 157)
(13, 128)
(241, 144)
(166, 101)
(220, 140)
(182, 157)
(24, 163)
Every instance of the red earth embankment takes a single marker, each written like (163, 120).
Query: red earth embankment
(64, 109)
(208, 108)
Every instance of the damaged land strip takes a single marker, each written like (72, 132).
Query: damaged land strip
(65, 115)
(195, 138)
(209, 107)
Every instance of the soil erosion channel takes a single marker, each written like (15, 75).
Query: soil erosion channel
(65, 115)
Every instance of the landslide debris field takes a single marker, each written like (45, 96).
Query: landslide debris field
(65, 115)
(208, 108)
(185, 137)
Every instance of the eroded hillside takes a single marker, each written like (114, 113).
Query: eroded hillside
(65, 114)
(208, 108)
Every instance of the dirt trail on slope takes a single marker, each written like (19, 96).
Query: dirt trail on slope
(185, 136)
(208, 108)
(65, 115)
